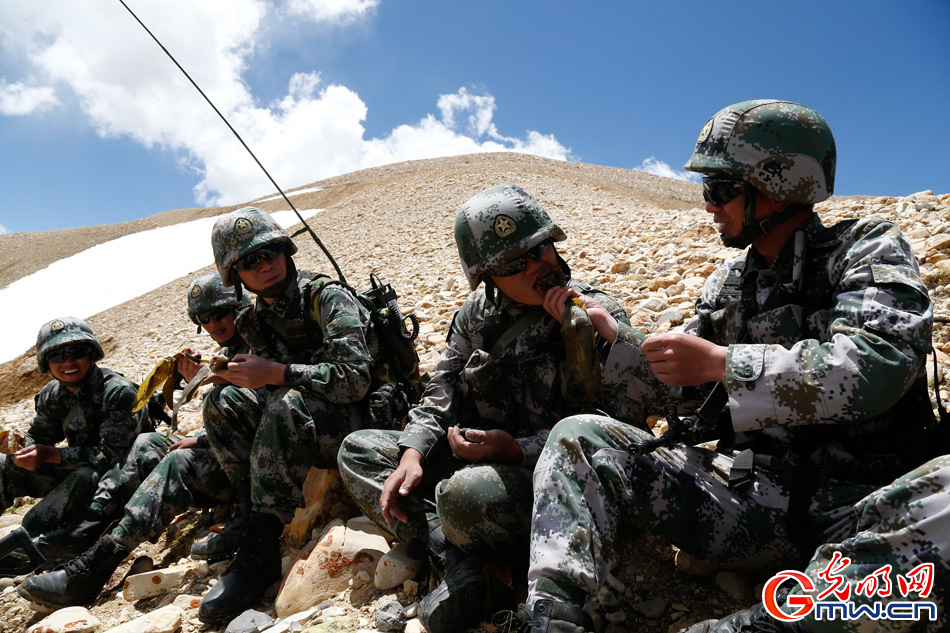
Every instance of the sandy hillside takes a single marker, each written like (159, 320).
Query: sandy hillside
(643, 238)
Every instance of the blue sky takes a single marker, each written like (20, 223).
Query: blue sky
(97, 126)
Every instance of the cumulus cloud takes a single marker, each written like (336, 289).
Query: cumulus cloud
(19, 99)
(338, 11)
(127, 88)
(3, 229)
(653, 166)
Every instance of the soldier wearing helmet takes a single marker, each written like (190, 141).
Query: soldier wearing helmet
(291, 399)
(814, 336)
(86, 406)
(458, 477)
(161, 478)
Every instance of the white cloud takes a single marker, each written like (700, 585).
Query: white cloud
(3, 229)
(653, 166)
(19, 99)
(128, 88)
(339, 11)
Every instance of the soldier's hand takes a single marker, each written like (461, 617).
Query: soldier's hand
(685, 360)
(32, 457)
(477, 445)
(399, 484)
(187, 368)
(600, 318)
(188, 442)
(253, 372)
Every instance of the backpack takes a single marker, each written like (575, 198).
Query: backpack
(398, 382)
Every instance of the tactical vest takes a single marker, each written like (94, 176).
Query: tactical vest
(301, 336)
(873, 451)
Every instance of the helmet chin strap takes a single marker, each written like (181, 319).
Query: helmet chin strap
(752, 228)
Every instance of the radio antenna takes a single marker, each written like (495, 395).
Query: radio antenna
(238, 136)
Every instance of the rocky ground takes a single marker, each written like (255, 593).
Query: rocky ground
(644, 239)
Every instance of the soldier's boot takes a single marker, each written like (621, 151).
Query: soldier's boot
(254, 568)
(18, 554)
(458, 601)
(754, 620)
(78, 581)
(69, 542)
(223, 544)
(548, 616)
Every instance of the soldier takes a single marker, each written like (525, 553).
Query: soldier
(816, 337)
(459, 475)
(88, 407)
(291, 401)
(161, 478)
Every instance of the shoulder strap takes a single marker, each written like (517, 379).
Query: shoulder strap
(508, 337)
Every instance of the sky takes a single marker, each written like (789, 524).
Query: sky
(123, 259)
(97, 125)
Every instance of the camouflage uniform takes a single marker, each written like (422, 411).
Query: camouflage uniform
(822, 348)
(268, 439)
(523, 390)
(97, 424)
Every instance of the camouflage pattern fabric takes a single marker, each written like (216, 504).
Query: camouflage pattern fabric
(904, 524)
(499, 225)
(121, 481)
(266, 440)
(185, 478)
(783, 149)
(524, 392)
(99, 432)
(62, 332)
(810, 373)
(240, 232)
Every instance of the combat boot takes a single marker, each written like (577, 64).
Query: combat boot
(754, 620)
(255, 567)
(459, 600)
(222, 545)
(548, 617)
(78, 581)
(18, 554)
(69, 542)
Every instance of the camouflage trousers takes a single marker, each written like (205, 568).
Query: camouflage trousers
(184, 478)
(589, 489)
(65, 493)
(482, 506)
(905, 525)
(120, 482)
(267, 440)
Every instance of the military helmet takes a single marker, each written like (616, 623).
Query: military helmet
(61, 332)
(207, 292)
(498, 226)
(240, 232)
(783, 149)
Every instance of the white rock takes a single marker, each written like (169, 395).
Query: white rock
(157, 581)
(165, 620)
(396, 567)
(68, 620)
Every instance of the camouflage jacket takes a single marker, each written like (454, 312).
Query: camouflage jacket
(96, 421)
(321, 338)
(525, 391)
(832, 336)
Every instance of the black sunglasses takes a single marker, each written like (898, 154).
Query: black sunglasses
(252, 260)
(719, 191)
(70, 351)
(515, 266)
(216, 314)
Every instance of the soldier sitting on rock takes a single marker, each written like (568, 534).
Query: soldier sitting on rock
(292, 399)
(91, 409)
(812, 343)
(161, 478)
(458, 477)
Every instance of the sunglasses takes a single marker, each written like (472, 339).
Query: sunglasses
(216, 314)
(719, 191)
(70, 351)
(264, 254)
(515, 266)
